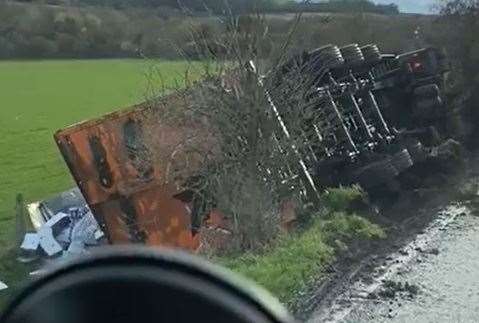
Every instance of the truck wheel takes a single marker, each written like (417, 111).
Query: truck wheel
(352, 55)
(376, 174)
(326, 57)
(371, 53)
(328, 172)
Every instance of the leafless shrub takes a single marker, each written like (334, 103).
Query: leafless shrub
(222, 139)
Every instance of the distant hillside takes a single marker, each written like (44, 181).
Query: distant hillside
(74, 29)
(237, 6)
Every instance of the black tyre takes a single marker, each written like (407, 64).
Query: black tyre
(328, 172)
(376, 174)
(326, 57)
(371, 53)
(352, 55)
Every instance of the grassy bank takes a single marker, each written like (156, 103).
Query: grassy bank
(288, 267)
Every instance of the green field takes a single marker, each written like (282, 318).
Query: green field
(39, 97)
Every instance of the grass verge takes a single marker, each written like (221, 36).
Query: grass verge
(287, 268)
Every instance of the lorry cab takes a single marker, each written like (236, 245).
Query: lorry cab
(424, 65)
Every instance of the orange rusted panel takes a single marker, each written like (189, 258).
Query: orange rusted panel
(130, 165)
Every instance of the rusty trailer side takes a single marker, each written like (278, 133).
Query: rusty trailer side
(122, 163)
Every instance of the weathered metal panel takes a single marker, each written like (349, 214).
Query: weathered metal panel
(124, 165)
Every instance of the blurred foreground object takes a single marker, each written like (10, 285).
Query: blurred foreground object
(143, 285)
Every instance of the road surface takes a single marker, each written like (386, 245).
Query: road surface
(442, 263)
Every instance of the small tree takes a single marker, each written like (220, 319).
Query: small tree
(253, 163)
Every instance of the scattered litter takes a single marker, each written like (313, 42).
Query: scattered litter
(30, 242)
(85, 230)
(48, 242)
(58, 219)
(64, 237)
(65, 227)
(3, 285)
(40, 212)
(75, 248)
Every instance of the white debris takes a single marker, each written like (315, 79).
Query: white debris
(85, 230)
(57, 219)
(3, 285)
(36, 215)
(99, 234)
(30, 242)
(65, 234)
(65, 227)
(40, 212)
(48, 242)
(76, 248)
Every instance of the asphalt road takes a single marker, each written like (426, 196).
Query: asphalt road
(442, 264)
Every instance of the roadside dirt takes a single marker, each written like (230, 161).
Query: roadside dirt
(410, 223)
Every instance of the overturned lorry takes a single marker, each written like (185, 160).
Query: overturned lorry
(373, 115)
(370, 119)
